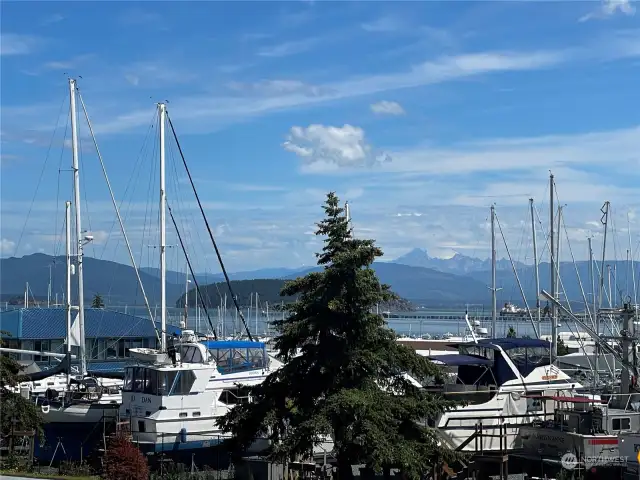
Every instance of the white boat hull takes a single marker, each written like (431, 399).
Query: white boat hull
(79, 412)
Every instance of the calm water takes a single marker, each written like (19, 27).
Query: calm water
(455, 323)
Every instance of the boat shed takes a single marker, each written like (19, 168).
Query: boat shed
(109, 335)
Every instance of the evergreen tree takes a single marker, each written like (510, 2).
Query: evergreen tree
(348, 380)
(511, 333)
(15, 411)
(97, 301)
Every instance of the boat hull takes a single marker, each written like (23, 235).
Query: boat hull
(87, 413)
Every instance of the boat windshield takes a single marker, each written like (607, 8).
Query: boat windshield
(157, 382)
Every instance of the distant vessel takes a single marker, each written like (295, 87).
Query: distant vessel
(511, 309)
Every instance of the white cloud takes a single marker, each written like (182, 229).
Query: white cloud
(333, 146)
(609, 8)
(386, 107)
(15, 44)
(7, 246)
(521, 154)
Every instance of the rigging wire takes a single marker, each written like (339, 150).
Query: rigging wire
(215, 245)
(33, 199)
(195, 281)
(113, 200)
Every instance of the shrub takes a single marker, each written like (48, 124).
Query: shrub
(124, 461)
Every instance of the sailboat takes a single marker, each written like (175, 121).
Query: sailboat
(86, 399)
(173, 396)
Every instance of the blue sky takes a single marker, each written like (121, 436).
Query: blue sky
(420, 114)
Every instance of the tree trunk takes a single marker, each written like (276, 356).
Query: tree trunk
(344, 468)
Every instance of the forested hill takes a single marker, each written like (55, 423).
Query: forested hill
(268, 291)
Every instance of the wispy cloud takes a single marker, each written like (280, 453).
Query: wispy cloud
(156, 73)
(289, 48)
(51, 19)
(69, 64)
(608, 8)
(140, 17)
(225, 110)
(386, 107)
(384, 24)
(17, 44)
(276, 87)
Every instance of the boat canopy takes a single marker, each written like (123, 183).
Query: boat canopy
(237, 355)
(459, 360)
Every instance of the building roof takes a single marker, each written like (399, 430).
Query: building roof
(51, 323)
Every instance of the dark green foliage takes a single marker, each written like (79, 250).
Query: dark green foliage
(511, 333)
(97, 301)
(15, 411)
(350, 363)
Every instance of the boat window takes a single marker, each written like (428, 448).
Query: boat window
(621, 423)
(150, 381)
(238, 359)
(234, 396)
(128, 379)
(183, 383)
(191, 354)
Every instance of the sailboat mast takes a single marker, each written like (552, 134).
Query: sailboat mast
(79, 237)
(554, 317)
(163, 260)
(494, 307)
(535, 262)
(68, 285)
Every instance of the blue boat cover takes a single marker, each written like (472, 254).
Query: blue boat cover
(222, 344)
(456, 360)
(509, 343)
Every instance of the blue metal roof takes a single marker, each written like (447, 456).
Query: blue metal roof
(51, 323)
(219, 344)
(457, 360)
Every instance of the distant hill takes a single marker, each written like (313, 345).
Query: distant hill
(458, 264)
(423, 286)
(116, 282)
(205, 278)
(268, 291)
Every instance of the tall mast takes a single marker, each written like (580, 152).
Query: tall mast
(163, 260)
(494, 307)
(535, 262)
(79, 237)
(592, 279)
(68, 285)
(554, 317)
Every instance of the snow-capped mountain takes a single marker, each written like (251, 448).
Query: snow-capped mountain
(458, 264)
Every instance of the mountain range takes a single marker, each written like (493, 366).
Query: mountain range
(416, 277)
(458, 264)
